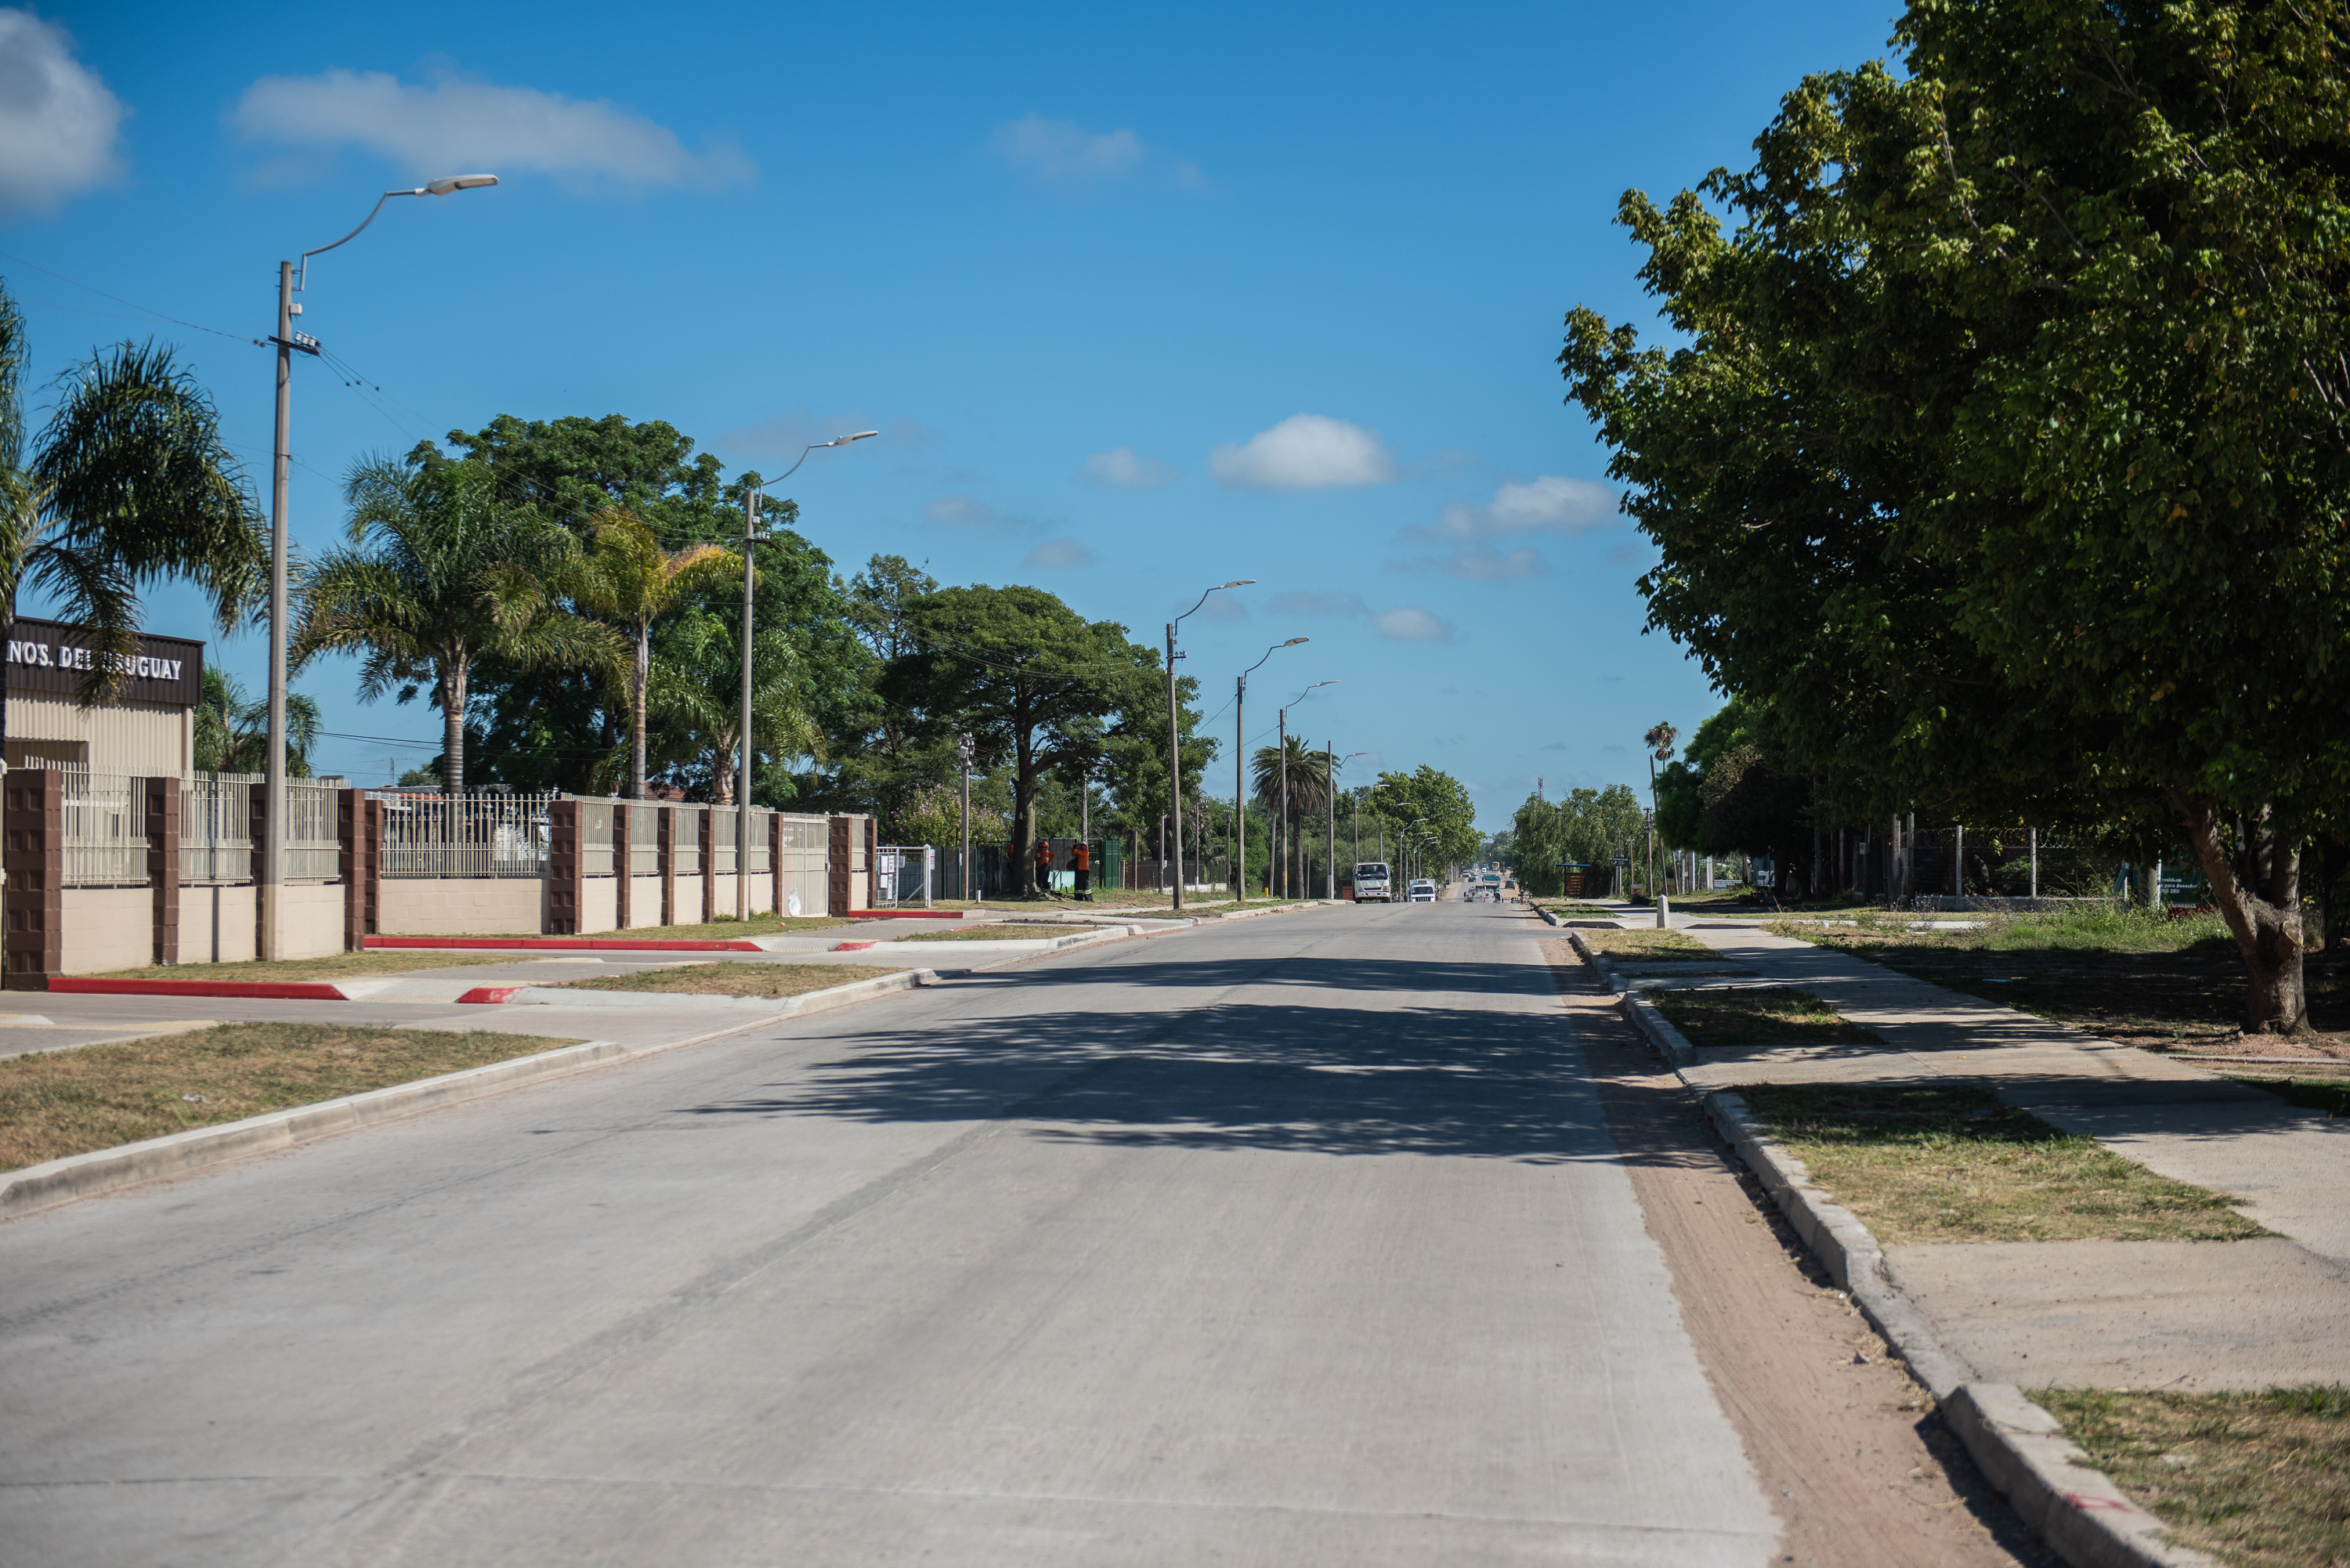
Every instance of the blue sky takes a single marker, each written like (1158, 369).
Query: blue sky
(1142, 300)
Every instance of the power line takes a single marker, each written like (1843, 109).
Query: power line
(143, 311)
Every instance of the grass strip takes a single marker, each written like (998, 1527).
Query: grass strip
(60, 1103)
(725, 929)
(2260, 1480)
(2331, 1096)
(334, 966)
(996, 931)
(1950, 1162)
(1669, 947)
(1758, 1015)
(734, 979)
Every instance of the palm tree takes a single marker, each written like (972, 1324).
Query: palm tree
(233, 729)
(129, 485)
(696, 684)
(438, 576)
(628, 576)
(1309, 786)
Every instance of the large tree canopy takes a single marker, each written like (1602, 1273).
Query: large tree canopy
(2004, 463)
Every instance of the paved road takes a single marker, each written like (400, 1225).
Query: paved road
(1294, 1241)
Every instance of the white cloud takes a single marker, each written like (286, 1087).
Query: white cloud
(1548, 504)
(1057, 552)
(454, 127)
(1125, 467)
(1303, 451)
(1409, 623)
(1064, 153)
(1346, 605)
(970, 512)
(57, 121)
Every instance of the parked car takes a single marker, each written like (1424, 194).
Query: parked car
(1423, 891)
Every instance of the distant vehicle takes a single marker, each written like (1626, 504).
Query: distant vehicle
(1371, 882)
(1423, 891)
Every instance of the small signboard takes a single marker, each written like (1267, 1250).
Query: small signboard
(1623, 860)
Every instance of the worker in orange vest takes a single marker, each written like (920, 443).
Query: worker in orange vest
(1081, 861)
(1045, 865)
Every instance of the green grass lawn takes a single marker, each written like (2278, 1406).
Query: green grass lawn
(58, 1102)
(1950, 1162)
(2257, 1480)
(1757, 1015)
(734, 979)
(334, 966)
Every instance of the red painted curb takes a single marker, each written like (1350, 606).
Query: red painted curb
(565, 944)
(282, 990)
(490, 994)
(907, 914)
(849, 947)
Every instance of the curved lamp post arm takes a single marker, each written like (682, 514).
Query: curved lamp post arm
(441, 187)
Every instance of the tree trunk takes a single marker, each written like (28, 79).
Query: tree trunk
(1023, 814)
(2260, 901)
(453, 727)
(638, 678)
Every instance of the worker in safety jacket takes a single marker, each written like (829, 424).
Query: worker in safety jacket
(1081, 861)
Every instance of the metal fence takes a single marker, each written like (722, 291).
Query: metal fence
(105, 829)
(314, 843)
(486, 834)
(216, 827)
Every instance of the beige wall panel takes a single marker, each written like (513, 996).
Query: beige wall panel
(644, 901)
(236, 922)
(108, 927)
(314, 919)
(459, 906)
(134, 738)
(600, 904)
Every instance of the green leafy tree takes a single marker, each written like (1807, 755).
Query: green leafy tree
(1439, 798)
(127, 485)
(626, 576)
(696, 686)
(437, 575)
(2018, 399)
(1038, 687)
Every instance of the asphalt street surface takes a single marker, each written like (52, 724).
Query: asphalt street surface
(1292, 1240)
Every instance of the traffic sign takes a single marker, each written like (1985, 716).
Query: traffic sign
(1623, 860)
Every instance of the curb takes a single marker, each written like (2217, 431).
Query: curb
(556, 944)
(59, 1181)
(2019, 1448)
(249, 990)
(779, 1006)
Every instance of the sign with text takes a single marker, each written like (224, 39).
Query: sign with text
(49, 656)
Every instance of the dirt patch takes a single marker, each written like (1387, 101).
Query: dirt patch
(1855, 1461)
(60, 1103)
(733, 978)
(1645, 945)
(1950, 1162)
(2257, 1480)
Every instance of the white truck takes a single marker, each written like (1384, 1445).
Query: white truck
(1371, 882)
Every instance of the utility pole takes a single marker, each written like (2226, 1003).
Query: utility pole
(1330, 805)
(1282, 825)
(963, 753)
(1175, 766)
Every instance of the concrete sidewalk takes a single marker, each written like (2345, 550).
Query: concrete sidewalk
(2213, 1314)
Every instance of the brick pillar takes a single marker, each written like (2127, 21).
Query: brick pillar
(709, 864)
(835, 868)
(665, 852)
(162, 809)
(371, 872)
(624, 860)
(258, 818)
(873, 859)
(350, 865)
(567, 870)
(776, 863)
(34, 859)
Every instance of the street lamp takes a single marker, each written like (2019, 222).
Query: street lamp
(1240, 762)
(742, 741)
(273, 845)
(1174, 732)
(1289, 888)
(1353, 807)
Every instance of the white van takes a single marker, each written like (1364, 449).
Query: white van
(1371, 882)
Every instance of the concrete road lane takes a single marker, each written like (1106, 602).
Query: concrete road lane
(1296, 1240)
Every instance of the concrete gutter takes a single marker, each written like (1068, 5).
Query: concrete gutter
(2019, 1447)
(57, 1181)
(564, 945)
